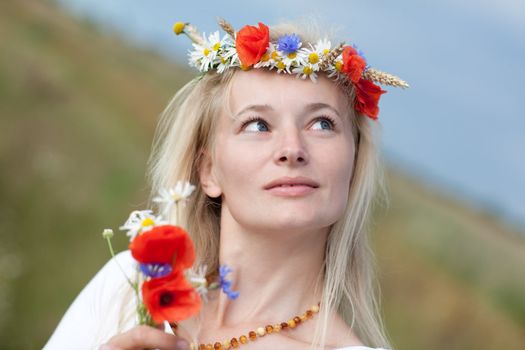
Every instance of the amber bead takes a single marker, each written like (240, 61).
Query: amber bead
(234, 342)
(261, 331)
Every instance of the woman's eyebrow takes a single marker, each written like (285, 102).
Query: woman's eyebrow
(312, 107)
(256, 108)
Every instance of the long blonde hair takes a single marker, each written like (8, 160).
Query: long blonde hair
(186, 129)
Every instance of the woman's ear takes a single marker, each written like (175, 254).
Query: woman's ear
(207, 176)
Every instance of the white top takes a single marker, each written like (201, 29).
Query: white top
(103, 309)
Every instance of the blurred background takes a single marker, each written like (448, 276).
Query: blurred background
(83, 81)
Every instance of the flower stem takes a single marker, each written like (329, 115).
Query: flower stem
(112, 252)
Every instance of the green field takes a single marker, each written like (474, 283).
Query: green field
(77, 112)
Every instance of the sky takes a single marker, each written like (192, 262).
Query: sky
(459, 126)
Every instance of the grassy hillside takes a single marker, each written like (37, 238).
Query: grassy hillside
(452, 278)
(77, 111)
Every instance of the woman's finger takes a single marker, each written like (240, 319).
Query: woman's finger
(144, 337)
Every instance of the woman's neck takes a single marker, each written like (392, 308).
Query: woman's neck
(274, 272)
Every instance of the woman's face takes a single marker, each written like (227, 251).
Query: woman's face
(284, 161)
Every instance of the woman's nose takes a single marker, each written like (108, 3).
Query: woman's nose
(291, 149)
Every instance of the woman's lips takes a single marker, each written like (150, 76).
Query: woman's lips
(291, 190)
(291, 186)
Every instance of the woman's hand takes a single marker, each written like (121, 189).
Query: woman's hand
(144, 337)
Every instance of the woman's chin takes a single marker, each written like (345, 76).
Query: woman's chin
(287, 225)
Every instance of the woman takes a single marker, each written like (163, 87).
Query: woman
(287, 170)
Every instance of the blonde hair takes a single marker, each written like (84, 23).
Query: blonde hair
(185, 131)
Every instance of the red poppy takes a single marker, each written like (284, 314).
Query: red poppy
(367, 98)
(251, 43)
(170, 298)
(166, 244)
(353, 64)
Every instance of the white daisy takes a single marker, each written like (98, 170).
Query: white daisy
(170, 197)
(323, 47)
(204, 56)
(140, 220)
(224, 64)
(292, 60)
(228, 57)
(306, 71)
(314, 55)
(197, 278)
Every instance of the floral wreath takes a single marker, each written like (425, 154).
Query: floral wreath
(250, 47)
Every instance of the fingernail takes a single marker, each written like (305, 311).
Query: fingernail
(182, 344)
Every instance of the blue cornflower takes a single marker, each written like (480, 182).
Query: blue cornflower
(225, 284)
(288, 43)
(156, 270)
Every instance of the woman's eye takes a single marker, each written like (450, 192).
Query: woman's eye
(323, 124)
(256, 125)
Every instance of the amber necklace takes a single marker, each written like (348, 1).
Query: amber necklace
(260, 332)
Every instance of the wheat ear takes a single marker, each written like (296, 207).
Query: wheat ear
(192, 33)
(227, 27)
(331, 56)
(384, 78)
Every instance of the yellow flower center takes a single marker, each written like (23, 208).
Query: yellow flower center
(206, 52)
(307, 70)
(243, 67)
(326, 51)
(223, 60)
(313, 58)
(339, 65)
(275, 55)
(217, 46)
(178, 27)
(292, 55)
(176, 197)
(281, 65)
(265, 57)
(148, 222)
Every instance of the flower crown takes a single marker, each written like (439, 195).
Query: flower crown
(250, 47)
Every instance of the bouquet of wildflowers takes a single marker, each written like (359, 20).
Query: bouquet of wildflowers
(168, 287)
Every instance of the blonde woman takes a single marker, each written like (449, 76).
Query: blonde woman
(286, 172)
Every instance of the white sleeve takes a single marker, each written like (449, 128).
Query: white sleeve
(104, 308)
